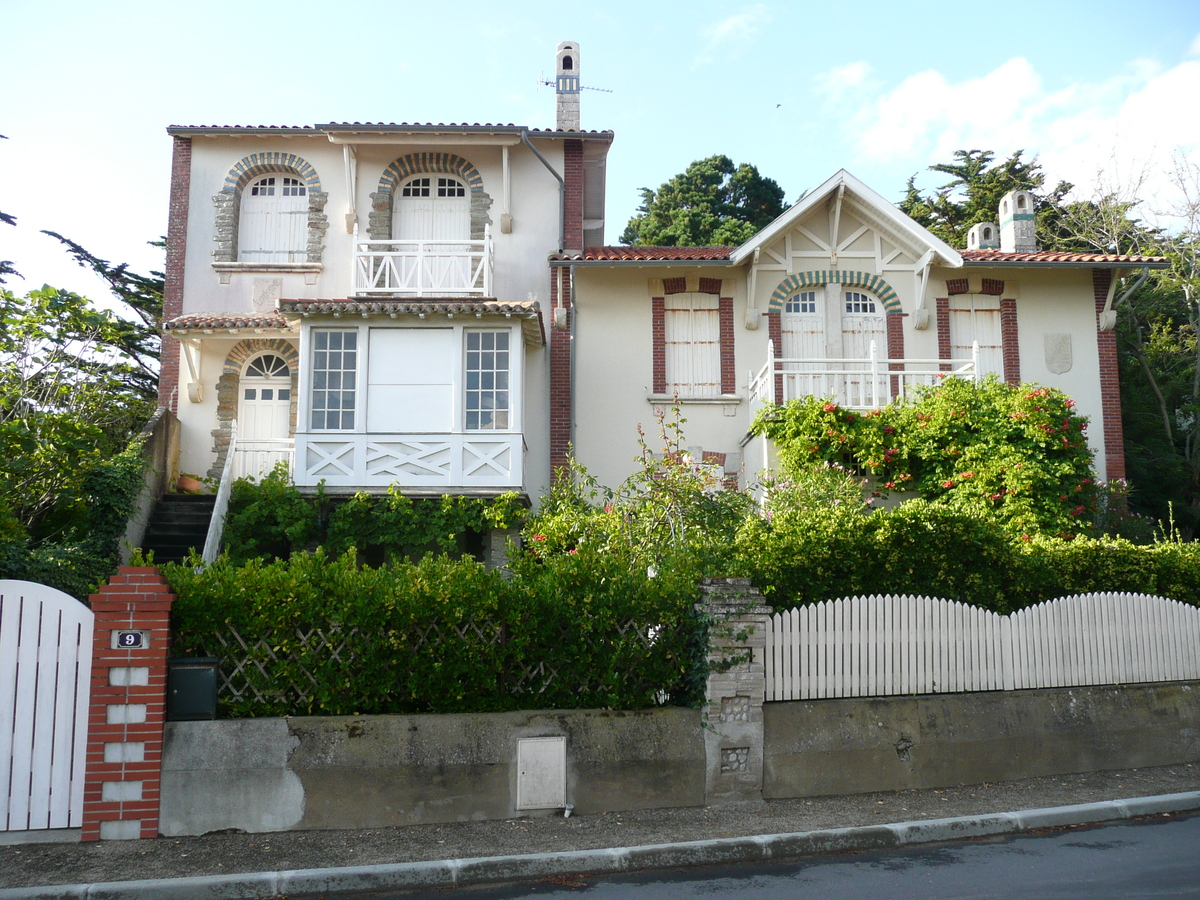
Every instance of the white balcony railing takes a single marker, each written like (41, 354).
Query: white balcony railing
(868, 383)
(423, 268)
(256, 457)
(477, 459)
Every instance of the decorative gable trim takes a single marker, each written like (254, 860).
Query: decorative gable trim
(873, 283)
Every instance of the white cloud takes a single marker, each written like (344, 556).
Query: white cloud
(1135, 119)
(1194, 49)
(725, 39)
(841, 80)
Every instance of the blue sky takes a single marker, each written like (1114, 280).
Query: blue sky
(794, 88)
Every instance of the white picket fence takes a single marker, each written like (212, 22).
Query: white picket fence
(885, 645)
(45, 685)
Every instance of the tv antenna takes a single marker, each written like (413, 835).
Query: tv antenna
(542, 80)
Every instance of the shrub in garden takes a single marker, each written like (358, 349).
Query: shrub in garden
(1015, 455)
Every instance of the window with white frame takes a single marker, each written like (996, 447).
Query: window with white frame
(273, 224)
(334, 379)
(975, 319)
(486, 398)
(692, 334)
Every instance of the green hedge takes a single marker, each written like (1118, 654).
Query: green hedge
(802, 556)
(441, 635)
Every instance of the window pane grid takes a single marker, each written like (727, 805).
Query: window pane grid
(804, 302)
(857, 303)
(335, 360)
(486, 401)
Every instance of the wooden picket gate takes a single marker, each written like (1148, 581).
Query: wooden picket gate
(45, 685)
(888, 645)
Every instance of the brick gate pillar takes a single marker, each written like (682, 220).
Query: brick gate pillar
(733, 711)
(128, 706)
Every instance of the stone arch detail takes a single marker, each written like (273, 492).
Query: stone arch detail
(229, 385)
(379, 226)
(229, 201)
(873, 283)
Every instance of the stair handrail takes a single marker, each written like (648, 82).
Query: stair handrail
(216, 525)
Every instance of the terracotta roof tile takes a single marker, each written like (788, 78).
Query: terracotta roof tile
(225, 321)
(645, 254)
(425, 305)
(1050, 256)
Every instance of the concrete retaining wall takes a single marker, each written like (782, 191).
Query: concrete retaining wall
(855, 746)
(373, 771)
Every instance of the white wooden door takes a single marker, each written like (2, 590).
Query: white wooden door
(264, 416)
(976, 317)
(862, 325)
(803, 327)
(45, 686)
(273, 224)
(435, 208)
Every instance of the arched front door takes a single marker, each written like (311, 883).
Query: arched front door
(264, 416)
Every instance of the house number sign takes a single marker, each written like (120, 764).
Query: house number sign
(129, 640)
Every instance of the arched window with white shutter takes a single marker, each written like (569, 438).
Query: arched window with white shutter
(273, 226)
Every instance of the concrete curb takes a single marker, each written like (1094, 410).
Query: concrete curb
(459, 872)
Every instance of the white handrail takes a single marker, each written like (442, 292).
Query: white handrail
(216, 525)
(423, 267)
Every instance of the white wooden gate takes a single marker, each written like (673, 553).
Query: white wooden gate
(45, 685)
(888, 645)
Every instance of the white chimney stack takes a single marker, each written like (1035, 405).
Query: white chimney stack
(983, 236)
(566, 86)
(1016, 223)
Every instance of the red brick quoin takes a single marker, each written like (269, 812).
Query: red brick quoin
(128, 707)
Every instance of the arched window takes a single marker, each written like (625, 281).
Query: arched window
(432, 208)
(273, 226)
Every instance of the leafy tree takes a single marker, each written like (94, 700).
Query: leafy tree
(974, 191)
(69, 398)
(712, 203)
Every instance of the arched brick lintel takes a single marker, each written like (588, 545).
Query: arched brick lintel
(421, 163)
(250, 167)
(873, 283)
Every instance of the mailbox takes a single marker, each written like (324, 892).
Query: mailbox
(192, 688)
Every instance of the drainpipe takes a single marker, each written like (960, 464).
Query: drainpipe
(562, 187)
(571, 368)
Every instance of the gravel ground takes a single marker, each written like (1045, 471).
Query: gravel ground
(212, 854)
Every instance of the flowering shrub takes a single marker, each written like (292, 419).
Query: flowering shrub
(1015, 455)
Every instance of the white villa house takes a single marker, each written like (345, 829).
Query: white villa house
(430, 306)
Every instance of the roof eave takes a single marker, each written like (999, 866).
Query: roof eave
(1062, 264)
(638, 263)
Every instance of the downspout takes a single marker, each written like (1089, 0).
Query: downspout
(571, 368)
(562, 188)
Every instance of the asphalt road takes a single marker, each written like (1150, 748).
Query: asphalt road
(1154, 857)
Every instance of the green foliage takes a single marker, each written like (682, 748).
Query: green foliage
(66, 403)
(442, 635)
(88, 553)
(973, 195)
(713, 202)
(271, 519)
(1016, 456)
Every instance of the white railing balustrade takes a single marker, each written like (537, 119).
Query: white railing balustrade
(216, 525)
(477, 459)
(868, 383)
(434, 268)
(257, 457)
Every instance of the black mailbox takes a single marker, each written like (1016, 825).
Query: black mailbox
(192, 688)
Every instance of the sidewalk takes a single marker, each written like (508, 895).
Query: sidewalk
(80, 865)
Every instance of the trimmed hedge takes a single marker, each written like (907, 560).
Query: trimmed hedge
(442, 635)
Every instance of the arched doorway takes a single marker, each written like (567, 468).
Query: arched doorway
(264, 416)
(436, 210)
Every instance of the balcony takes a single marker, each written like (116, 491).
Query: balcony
(447, 461)
(859, 384)
(437, 268)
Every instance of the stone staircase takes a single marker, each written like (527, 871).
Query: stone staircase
(179, 523)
